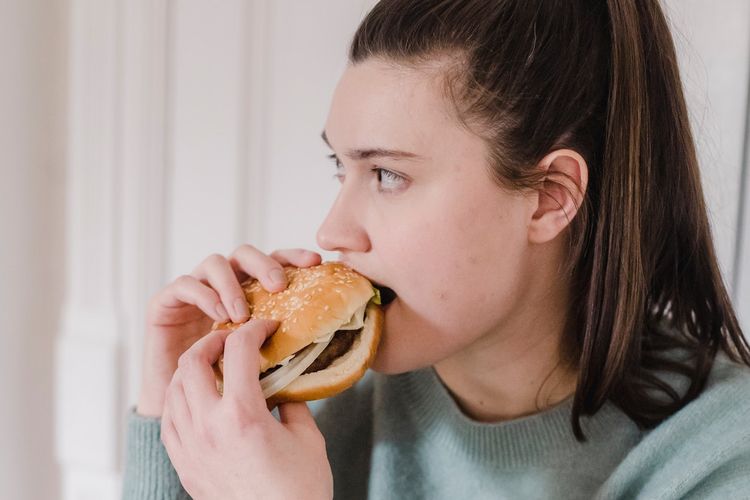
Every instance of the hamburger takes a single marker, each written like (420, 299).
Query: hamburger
(330, 319)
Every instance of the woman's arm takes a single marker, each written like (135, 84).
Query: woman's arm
(149, 474)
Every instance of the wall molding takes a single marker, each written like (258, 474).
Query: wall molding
(115, 231)
(250, 169)
(88, 347)
(143, 169)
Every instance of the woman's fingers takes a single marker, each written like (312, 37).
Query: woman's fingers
(297, 418)
(296, 257)
(188, 290)
(269, 269)
(248, 260)
(242, 364)
(195, 368)
(296, 413)
(179, 410)
(214, 286)
(169, 435)
(219, 274)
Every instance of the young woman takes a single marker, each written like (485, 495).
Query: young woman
(522, 174)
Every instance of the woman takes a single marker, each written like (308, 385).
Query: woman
(522, 174)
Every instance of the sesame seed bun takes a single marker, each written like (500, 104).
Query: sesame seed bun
(344, 372)
(317, 301)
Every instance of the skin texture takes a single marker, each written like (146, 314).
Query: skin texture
(475, 267)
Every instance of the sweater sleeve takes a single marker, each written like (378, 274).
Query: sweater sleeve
(149, 474)
(346, 421)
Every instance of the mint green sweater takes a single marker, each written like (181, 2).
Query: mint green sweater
(403, 436)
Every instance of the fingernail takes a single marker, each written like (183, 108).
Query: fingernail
(221, 311)
(277, 276)
(240, 308)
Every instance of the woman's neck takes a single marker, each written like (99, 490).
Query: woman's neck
(519, 368)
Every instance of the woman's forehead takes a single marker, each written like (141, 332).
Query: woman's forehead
(375, 100)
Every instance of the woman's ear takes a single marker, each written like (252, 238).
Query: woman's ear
(560, 194)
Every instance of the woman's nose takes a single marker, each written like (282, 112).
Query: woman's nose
(342, 229)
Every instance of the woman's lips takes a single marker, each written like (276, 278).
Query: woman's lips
(387, 294)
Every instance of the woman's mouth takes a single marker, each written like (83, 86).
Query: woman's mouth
(387, 295)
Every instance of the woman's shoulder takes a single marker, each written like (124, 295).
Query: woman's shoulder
(724, 401)
(728, 376)
(717, 419)
(703, 448)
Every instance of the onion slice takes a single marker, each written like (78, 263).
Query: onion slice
(282, 377)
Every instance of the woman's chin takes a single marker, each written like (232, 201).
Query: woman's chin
(400, 348)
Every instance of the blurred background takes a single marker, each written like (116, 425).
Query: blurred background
(139, 136)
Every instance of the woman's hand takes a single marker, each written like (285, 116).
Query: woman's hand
(232, 447)
(183, 311)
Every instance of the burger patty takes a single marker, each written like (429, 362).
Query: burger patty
(340, 343)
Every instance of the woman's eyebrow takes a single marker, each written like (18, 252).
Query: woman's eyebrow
(363, 154)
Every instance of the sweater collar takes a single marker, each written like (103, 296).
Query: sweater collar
(523, 441)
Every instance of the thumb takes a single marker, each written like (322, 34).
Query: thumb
(242, 361)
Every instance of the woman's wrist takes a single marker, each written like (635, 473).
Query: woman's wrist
(149, 406)
(151, 400)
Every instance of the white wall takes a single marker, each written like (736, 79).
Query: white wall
(742, 258)
(32, 97)
(190, 127)
(248, 100)
(713, 44)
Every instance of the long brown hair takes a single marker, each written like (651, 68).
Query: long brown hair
(599, 77)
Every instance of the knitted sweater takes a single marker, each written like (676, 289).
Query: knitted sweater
(403, 436)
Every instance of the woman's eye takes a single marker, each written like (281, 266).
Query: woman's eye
(339, 175)
(389, 181)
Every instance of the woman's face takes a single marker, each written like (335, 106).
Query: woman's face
(418, 212)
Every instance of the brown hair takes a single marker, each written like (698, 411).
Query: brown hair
(599, 77)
